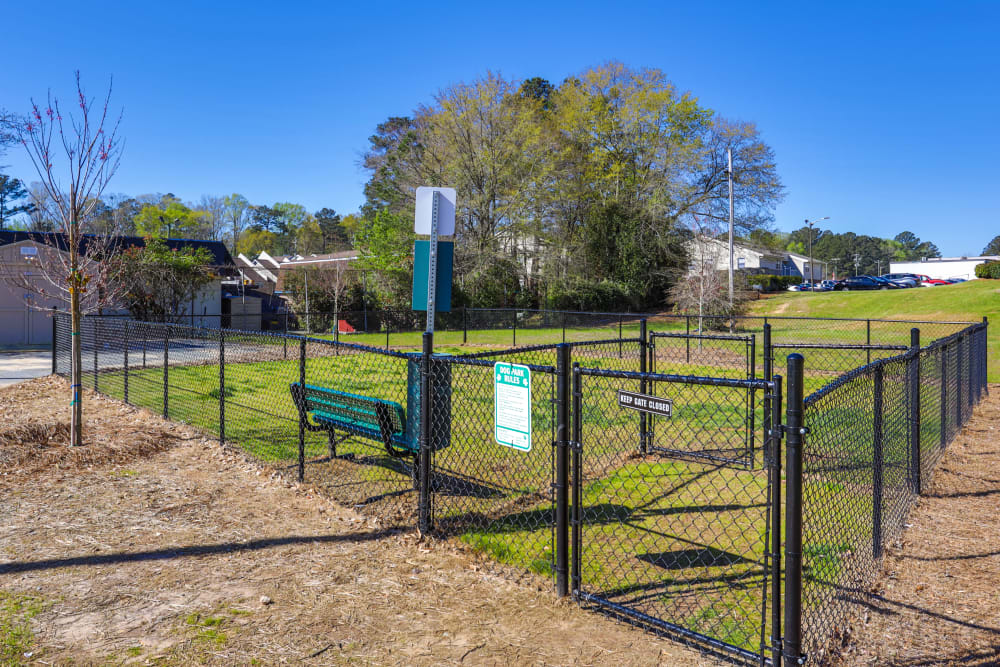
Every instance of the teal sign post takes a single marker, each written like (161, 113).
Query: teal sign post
(512, 406)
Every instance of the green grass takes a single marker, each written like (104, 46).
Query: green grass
(969, 301)
(16, 638)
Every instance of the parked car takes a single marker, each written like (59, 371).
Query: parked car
(903, 279)
(801, 287)
(825, 285)
(932, 282)
(886, 284)
(861, 283)
(956, 280)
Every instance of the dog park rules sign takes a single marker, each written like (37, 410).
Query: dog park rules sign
(512, 406)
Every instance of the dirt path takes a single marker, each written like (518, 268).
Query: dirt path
(154, 546)
(938, 602)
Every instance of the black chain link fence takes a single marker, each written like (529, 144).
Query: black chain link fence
(874, 436)
(667, 515)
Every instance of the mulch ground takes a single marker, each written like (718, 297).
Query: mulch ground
(153, 545)
(938, 601)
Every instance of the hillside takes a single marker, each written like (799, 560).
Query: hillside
(969, 301)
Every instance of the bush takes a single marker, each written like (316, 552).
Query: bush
(590, 295)
(988, 270)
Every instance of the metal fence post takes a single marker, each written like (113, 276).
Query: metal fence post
(792, 641)
(166, 372)
(514, 330)
(985, 356)
(465, 325)
(563, 318)
(302, 426)
(95, 337)
(145, 344)
(773, 424)
(562, 469)
(55, 333)
(913, 395)
(878, 463)
(424, 504)
(125, 362)
(868, 338)
(643, 347)
(577, 508)
(687, 333)
(222, 386)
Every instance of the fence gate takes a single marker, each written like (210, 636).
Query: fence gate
(675, 536)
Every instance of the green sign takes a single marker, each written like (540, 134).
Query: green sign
(512, 406)
(421, 267)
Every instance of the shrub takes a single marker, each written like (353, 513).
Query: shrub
(988, 270)
(590, 295)
(769, 283)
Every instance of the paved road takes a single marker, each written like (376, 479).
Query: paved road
(20, 366)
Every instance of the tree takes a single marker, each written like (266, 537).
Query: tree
(213, 217)
(91, 152)
(913, 248)
(11, 192)
(158, 280)
(993, 247)
(327, 287)
(334, 235)
(702, 289)
(237, 215)
(169, 219)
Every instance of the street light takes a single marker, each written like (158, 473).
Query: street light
(812, 272)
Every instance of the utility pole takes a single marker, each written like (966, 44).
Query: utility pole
(812, 272)
(729, 172)
(857, 262)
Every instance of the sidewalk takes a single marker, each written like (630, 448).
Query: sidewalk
(24, 365)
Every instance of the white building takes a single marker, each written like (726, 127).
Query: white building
(943, 268)
(705, 250)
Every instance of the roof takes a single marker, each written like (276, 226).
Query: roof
(928, 260)
(297, 260)
(217, 249)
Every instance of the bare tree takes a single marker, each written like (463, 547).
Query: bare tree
(702, 289)
(84, 147)
(214, 218)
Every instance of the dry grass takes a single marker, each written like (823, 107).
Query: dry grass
(156, 546)
(938, 601)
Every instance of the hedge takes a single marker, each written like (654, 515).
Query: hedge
(988, 270)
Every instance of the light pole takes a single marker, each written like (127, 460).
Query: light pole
(812, 272)
(729, 173)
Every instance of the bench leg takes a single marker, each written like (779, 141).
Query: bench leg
(331, 435)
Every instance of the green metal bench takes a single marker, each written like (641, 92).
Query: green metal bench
(330, 410)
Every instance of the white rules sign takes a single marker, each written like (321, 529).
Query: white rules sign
(512, 406)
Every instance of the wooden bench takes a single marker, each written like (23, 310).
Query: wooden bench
(330, 410)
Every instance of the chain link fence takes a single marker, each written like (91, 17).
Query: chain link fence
(650, 485)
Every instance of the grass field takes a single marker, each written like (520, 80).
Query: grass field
(969, 301)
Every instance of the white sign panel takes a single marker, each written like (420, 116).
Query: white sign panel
(425, 207)
(512, 405)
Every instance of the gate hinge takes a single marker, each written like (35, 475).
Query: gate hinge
(574, 445)
(803, 430)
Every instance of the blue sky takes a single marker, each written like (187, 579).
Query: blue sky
(882, 116)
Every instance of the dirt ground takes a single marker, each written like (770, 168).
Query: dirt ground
(153, 545)
(938, 602)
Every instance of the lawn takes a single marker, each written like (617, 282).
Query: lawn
(969, 301)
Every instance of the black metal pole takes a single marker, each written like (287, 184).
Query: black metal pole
(562, 469)
(563, 318)
(514, 329)
(751, 373)
(792, 641)
(166, 373)
(913, 380)
(145, 342)
(687, 332)
(465, 325)
(868, 338)
(577, 507)
(54, 346)
(387, 335)
(302, 426)
(95, 337)
(878, 463)
(643, 347)
(424, 503)
(284, 339)
(222, 386)
(985, 356)
(125, 362)
(774, 435)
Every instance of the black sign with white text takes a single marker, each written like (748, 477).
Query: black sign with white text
(645, 403)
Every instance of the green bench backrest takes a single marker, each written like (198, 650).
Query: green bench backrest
(352, 408)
